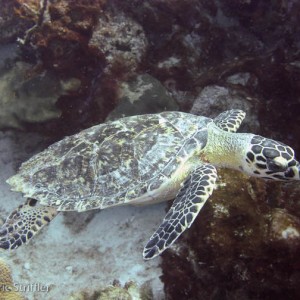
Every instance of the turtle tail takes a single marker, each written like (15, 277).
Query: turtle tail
(25, 222)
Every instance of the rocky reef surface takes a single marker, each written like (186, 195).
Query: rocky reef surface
(66, 65)
(243, 245)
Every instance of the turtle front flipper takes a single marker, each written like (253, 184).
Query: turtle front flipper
(230, 120)
(190, 199)
(23, 223)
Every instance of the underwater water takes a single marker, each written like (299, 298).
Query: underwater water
(68, 65)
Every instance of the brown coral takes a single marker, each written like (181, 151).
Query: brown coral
(28, 9)
(7, 288)
(11, 26)
(62, 31)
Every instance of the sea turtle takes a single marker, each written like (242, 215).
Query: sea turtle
(138, 160)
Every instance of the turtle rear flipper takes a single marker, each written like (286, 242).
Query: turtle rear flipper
(23, 223)
(230, 120)
(190, 199)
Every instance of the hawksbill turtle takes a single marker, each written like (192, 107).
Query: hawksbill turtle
(141, 160)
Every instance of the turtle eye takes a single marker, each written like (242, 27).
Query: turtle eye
(277, 164)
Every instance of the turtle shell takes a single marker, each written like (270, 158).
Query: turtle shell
(111, 163)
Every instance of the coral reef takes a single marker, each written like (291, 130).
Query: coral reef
(120, 40)
(7, 288)
(11, 25)
(122, 43)
(211, 42)
(61, 39)
(193, 44)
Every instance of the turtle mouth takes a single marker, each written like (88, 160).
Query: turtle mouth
(293, 172)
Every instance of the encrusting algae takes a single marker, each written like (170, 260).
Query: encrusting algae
(7, 288)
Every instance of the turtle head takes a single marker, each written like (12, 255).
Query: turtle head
(271, 160)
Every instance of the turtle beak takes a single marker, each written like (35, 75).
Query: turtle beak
(293, 172)
(298, 171)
